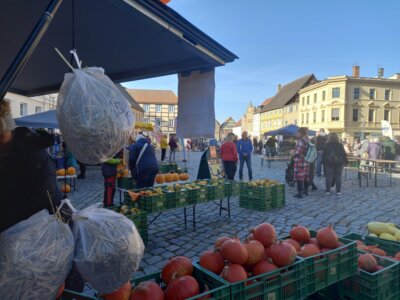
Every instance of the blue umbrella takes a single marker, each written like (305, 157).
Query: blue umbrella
(45, 119)
(289, 130)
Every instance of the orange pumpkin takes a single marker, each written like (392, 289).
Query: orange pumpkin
(160, 178)
(175, 177)
(125, 172)
(61, 172)
(65, 188)
(184, 176)
(71, 171)
(169, 177)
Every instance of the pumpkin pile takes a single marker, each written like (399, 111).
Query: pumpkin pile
(260, 253)
(177, 276)
(171, 177)
(374, 249)
(65, 188)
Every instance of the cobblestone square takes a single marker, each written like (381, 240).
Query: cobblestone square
(168, 236)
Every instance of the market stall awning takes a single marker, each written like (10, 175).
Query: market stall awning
(130, 39)
(289, 130)
(45, 119)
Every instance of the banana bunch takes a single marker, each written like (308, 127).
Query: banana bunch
(386, 231)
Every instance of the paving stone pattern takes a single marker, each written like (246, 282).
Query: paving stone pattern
(168, 237)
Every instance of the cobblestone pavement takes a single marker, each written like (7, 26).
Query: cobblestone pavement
(168, 237)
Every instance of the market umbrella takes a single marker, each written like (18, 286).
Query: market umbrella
(130, 39)
(45, 119)
(289, 130)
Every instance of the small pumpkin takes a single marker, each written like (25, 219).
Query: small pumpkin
(183, 176)
(175, 177)
(160, 178)
(65, 188)
(125, 172)
(71, 171)
(169, 177)
(61, 172)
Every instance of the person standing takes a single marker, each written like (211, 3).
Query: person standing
(163, 146)
(255, 145)
(320, 142)
(260, 146)
(301, 166)
(173, 145)
(244, 149)
(374, 149)
(143, 162)
(109, 172)
(229, 156)
(271, 146)
(334, 160)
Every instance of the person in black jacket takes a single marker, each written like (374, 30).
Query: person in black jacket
(27, 174)
(334, 159)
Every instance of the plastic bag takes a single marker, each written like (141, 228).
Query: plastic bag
(36, 256)
(108, 248)
(93, 115)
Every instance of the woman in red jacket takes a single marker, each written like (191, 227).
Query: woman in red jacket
(229, 156)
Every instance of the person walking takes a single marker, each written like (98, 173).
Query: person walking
(301, 166)
(109, 172)
(260, 146)
(229, 156)
(271, 146)
(143, 162)
(244, 149)
(173, 145)
(320, 142)
(374, 149)
(334, 160)
(163, 146)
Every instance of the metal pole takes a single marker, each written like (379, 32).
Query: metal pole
(29, 46)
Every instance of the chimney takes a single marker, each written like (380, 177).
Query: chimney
(279, 87)
(380, 72)
(356, 71)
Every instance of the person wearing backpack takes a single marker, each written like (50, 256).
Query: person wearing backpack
(301, 166)
(334, 159)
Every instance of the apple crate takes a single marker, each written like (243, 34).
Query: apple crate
(285, 283)
(330, 267)
(390, 247)
(381, 285)
(217, 288)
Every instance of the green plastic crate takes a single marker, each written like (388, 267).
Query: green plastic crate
(72, 295)
(215, 192)
(201, 195)
(259, 193)
(231, 188)
(127, 183)
(279, 196)
(168, 167)
(255, 204)
(381, 285)
(217, 289)
(286, 283)
(391, 248)
(330, 267)
(152, 204)
(329, 293)
(192, 195)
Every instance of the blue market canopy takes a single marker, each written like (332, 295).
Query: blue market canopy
(289, 130)
(45, 119)
(130, 39)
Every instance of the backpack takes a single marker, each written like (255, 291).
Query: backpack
(311, 155)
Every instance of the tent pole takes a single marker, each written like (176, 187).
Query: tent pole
(29, 46)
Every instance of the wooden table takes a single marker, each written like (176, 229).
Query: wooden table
(275, 158)
(376, 163)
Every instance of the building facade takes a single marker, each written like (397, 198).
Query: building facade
(352, 106)
(257, 123)
(247, 119)
(22, 106)
(227, 127)
(291, 114)
(217, 130)
(237, 129)
(160, 108)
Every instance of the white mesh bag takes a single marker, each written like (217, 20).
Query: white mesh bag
(36, 256)
(93, 115)
(108, 248)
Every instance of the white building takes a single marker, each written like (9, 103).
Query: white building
(23, 106)
(237, 130)
(257, 124)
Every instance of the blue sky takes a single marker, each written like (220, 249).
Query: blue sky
(278, 41)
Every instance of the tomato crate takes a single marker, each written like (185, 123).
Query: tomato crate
(72, 295)
(279, 196)
(255, 204)
(390, 247)
(127, 183)
(381, 285)
(285, 283)
(217, 288)
(329, 293)
(330, 267)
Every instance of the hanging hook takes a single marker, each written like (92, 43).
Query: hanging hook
(78, 62)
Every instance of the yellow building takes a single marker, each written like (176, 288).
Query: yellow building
(282, 108)
(247, 119)
(263, 116)
(351, 106)
(160, 108)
